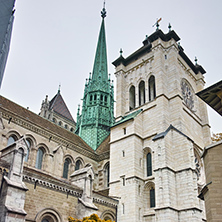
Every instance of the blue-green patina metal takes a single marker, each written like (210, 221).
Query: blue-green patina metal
(93, 124)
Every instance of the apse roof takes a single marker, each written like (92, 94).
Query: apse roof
(58, 105)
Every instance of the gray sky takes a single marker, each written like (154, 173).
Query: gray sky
(54, 43)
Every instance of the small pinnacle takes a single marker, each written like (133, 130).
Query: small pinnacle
(121, 52)
(195, 60)
(169, 27)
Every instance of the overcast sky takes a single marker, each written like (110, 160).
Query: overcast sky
(54, 42)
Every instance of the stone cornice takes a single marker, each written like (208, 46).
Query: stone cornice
(174, 171)
(25, 123)
(178, 210)
(68, 189)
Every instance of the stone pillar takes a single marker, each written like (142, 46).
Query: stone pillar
(83, 178)
(12, 189)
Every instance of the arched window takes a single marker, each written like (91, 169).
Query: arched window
(54, 120)
(142, 93)
(78, 165)
(60, 123)
(149, 164)
(132, 98)
(152, 88)
(106, 175)
(149, 195)
(11, 140)
(39, 158)
(66, 168)
(152, 197)
(66, 126)
(71, 129)
(28, 143)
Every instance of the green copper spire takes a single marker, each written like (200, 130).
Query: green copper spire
(93, 124)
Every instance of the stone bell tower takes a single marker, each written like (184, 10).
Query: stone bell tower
(160, 131)
(93, 124)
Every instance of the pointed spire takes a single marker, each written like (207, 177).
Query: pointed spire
(100, 62)
(97, 113)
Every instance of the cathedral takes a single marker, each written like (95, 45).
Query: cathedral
(142, 164)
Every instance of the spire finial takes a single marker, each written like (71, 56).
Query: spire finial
(195, 60)
(103, 12)
(59, 88)
(169, 27)
(121, 52)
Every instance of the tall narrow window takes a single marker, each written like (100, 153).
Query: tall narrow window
(141, 93)
(152, 88)
(132, 98)
(28, 142)
(149, 164)
(152, 197)
(66, 168)
(106, 174)
(39, 158)
(78, 165)
(123, 206)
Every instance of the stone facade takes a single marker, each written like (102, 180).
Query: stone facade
(49, 195)
(162, 125)
(212, 192)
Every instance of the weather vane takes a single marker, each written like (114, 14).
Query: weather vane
(157, 23)
(103, 12)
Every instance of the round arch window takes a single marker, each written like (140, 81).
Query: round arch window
(11, 140)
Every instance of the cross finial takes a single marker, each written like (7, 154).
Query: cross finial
(157, 23)
(103, 12)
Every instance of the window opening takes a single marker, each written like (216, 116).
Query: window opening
(66, 168)
(11, 140)
(152, 88)
(132, 98)
(152, 197)
(149, 164)
(39, 158)
(141, 93)
(78, 165)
